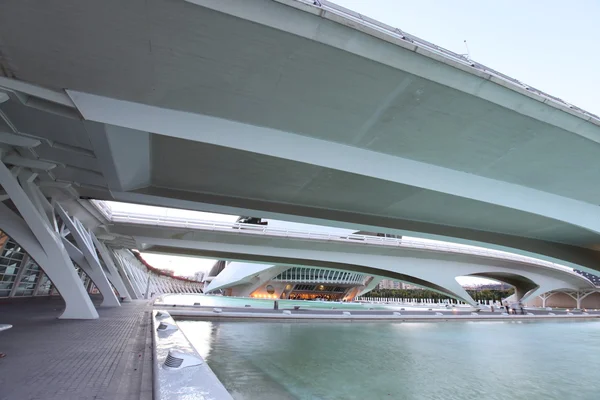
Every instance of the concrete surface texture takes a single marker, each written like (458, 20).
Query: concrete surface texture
(414, 144)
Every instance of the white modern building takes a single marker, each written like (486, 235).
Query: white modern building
(390, 284)
(294, 283)
(198, 276)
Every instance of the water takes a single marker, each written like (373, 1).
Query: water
(222, 301)
(424, 361)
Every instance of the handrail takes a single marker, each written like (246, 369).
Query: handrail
(104, 208)
(251, 229)
(460, 58)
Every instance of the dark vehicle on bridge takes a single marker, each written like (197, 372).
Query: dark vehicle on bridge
(251, 220)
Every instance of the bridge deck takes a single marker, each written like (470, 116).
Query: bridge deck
(47, 358)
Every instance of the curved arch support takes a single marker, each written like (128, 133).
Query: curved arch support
(43, 244)
(435, 270)
(96, 275)
(85, 256)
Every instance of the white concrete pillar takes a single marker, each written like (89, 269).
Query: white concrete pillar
(113, 274)
(157, 285)
(575, 296)
(124, 272)
(147, 292)
(95, 273)
(135, 272)
(580, 295)
(84, 254)
(35, 234)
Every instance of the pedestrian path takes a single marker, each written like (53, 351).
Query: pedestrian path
(52, 359)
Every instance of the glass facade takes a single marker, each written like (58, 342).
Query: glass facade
(21, 276)
(319, 275)
(29, 278)
(10, 263)
(45, 286)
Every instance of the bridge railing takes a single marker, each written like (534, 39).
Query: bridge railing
(104, 208)
(251, 229)
(460, 58)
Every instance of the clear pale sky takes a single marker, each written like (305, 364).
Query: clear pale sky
(549, 44)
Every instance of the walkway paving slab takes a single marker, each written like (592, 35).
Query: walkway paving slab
(52, 359)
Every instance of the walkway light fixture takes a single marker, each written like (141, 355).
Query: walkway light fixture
(166, 327)
(162, 315)
(177, 360)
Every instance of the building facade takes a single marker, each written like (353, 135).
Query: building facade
(391, 284)
(284, 282)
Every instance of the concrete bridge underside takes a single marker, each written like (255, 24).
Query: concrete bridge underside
(281, 110)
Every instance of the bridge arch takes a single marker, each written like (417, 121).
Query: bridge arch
(434, 271)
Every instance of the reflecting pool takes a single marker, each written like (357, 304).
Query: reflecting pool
(437, 361)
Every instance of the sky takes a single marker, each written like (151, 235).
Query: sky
(548, 44)
(182, 266)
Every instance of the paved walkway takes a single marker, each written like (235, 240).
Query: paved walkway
(46, 358)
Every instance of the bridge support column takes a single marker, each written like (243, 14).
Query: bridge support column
(96, 275)
(546, 296)
(34, 232)
(147, 292)
(127, 272)
(520, 293)
(545, 287)
(578, 296)
(112, 272)
(84, 254)
(455, 289)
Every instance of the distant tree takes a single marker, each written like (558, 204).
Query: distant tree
(478, 295)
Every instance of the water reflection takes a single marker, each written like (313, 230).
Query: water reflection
(446, 361)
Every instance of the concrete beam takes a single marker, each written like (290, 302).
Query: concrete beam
(299, 148)
(573, 256)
